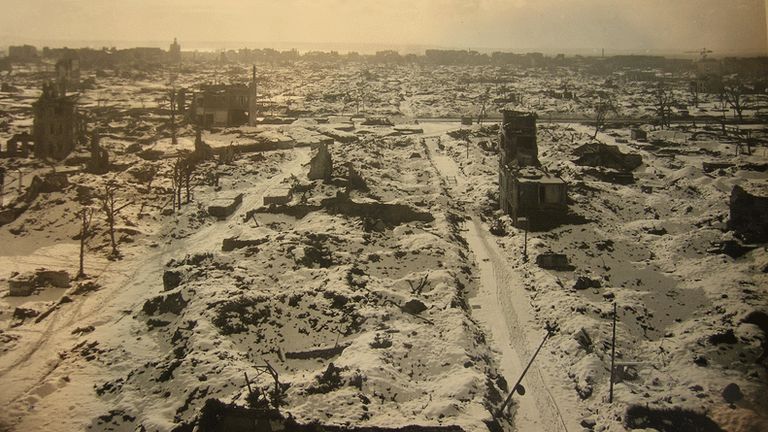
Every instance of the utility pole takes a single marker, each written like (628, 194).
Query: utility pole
(172, 100)
(467, 147)
(84, 232)
(2, 185)
(613, 354)
(248, 383)
(525, 242)
(551, 330)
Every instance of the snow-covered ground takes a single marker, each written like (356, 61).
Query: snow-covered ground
(655, 254)
(395, 308)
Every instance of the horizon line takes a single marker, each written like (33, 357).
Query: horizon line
(347, 47)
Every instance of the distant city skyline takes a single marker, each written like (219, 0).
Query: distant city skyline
(550, 26)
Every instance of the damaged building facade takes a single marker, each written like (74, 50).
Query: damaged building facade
(56, 126)
(526, 190)
(68, 75)
(225, 105)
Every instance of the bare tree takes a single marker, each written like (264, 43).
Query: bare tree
(110, 208)
(663, 104)
(733, 94)
(484, 99)
(722, 107)
(151, 177)
(181, 179)
(169, 100)
(188, 168)
(262, 398)
(87, 215)
(605, 105)
(694, 88)
(176, 182)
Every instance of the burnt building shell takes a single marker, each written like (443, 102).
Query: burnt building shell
(532, 193)
(68, 75)
(225, 104)
(23, 53)
(518, 139)
(56, 124)
(220, 105)
(19, 145)
(526, 190)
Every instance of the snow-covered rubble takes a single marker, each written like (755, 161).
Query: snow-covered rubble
(686, 311)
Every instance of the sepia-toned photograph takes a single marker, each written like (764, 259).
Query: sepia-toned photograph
(384, 216)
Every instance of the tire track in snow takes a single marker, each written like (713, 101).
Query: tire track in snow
(507, 287)
(543, 414)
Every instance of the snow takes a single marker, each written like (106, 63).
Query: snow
(119, 344)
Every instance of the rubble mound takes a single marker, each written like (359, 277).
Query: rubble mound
(608, 156)
(24, 284)
(321, 165)
(172, 303)
(749, 213)
(393, 214)
(219, 416)
(668, 420)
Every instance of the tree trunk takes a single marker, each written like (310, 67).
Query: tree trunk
(112, 232)
(83, 234)
(173, 117)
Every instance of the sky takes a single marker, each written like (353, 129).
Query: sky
(672, 26)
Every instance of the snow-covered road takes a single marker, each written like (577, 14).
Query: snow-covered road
(501, 306)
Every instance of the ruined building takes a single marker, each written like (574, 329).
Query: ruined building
(321, 165)
(68, 75)
(23, 53)
(174, 52)
(99, 161)
(526, 189)
(225, 105)
(56, 126)
(19, 145)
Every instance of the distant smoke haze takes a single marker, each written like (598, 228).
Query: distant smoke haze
(572, 27)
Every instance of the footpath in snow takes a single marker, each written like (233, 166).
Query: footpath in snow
(502, 308)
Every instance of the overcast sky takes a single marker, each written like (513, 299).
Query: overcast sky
(655, 25)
